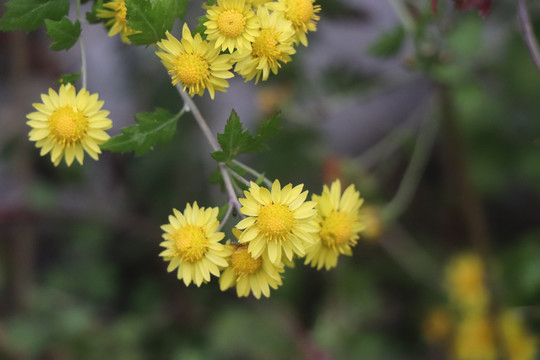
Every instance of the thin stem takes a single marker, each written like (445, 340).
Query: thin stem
(411, 178)
(238, 177)
(528, 33)
(81, 44)
(253, 172)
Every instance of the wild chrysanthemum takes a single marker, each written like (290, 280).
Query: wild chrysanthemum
(302, 14)
(278, 221)
(272, 46)
(338, 222)
(115, 11)
(66, 123)
(249, 274)
(192, 244)
(195, 63)
(465, 282)
(231, 25)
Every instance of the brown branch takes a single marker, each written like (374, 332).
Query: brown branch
(528, 33)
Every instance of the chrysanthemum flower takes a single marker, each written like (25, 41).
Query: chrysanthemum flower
(465, 282)
(520, 344)
(273, 45)
(66, 123)
(249, 274)
(278, 221)
(115, 11)
(339, 223)
(231, 25)
(257, 3)
(474, 339)
(302, 14)
(192, 244)
(195, 63)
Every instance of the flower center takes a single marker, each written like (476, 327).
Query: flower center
(191, 243)
(265, 45)
(191, 70)
(336, 229)
(121, 12)
(231, 23)
(300, 12)
(275, 221)
(67, 125)
(243, 263)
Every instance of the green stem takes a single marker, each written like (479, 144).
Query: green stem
(253, 172)
(81, 44)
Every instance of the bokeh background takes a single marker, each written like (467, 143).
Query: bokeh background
(441, 135)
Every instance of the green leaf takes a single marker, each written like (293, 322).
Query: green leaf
(63, 33)
(91, 16)
(68, 78)
(152, 18)
(29, 14)
(235, 140)
(222, 211)
(151, 129)
(388, 43)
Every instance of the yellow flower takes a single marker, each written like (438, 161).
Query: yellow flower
(231, 25)
(465, 282)
(278, 221)
(115, 10)
(519, 344)
(249, 274)
(474, 339)
(371, 219)
(257, 3)
(272, 46)
(338, 224)
(302, 14)
(66, 123)
(195, 63)
(192, 244)
(437, 326)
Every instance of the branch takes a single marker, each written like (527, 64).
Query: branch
(528, 33)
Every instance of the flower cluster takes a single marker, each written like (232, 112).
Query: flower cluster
(254, 37)
(279, 226)
(114, 12)
(468, 328)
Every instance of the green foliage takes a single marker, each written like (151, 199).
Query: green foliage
(30, 14)
(152, 18)
(222, 211)
(388, 43)
(91, 17)
(68, 78)
(235, 140)
(63, 33)
(151, 129)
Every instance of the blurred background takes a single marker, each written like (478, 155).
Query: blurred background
(437, 125)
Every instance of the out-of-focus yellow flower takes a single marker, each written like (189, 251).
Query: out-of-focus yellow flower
(115, 11)
(370, 217)
(474, 339)
(67, 122)
(519, 344)
(465, 282)
(338, 224)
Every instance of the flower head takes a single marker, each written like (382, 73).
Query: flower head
(192, 244)
(278, 221)
(303, 15)
(519, 342)
(465, 282)
(474, 339)
(272, 46)
(338, 222)
(249, 274)
(115, 11)
(231, 25)
(195, 63)
(66, 123)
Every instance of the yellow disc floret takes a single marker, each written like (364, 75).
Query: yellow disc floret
(336, 229)
(67, 125)
(191, 243)
(231, 23)
(243, 263)
(191, 70)
(275, 221)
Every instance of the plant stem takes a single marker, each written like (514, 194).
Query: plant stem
(81, 44)
(403, 14)
(253, 172)
(528, 32)
(238, 177)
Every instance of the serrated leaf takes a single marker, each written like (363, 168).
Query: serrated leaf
(267, 129)
(152, 19)
(68, 78)
(151, 129)
(388, 43)
(30, 14)
(63, 33)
